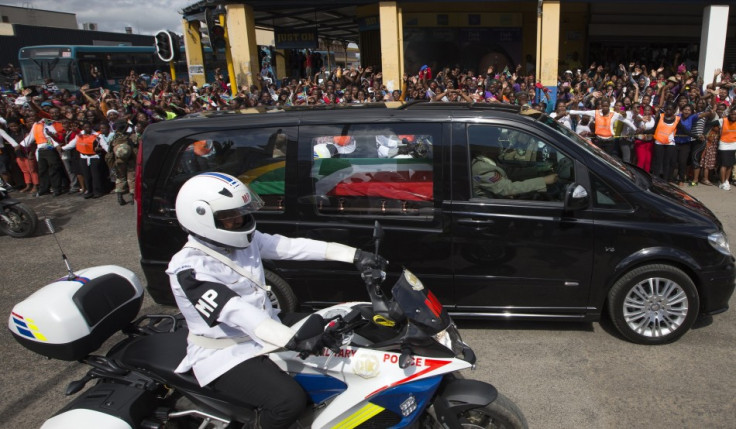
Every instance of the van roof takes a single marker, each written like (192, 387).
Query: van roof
(172, 130)
(398, 105)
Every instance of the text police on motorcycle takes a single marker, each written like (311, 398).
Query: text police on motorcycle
(218, 282)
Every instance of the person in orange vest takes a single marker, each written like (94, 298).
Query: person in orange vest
(43, 135)
(89, 160)
(605, 121)
(727, 147)
(666, 126)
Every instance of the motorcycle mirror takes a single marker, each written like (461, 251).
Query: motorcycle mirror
(52, 230)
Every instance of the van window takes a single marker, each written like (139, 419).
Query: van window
(604, 197)
(511, 163)
(380, 169)
(255, 156)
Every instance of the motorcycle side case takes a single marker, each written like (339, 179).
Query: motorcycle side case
(105, 405)
(69, 319)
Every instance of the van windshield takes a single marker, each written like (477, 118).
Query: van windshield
(586, 144)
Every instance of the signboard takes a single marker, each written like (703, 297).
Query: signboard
(306, 39)
(196, 69)
(367, 23)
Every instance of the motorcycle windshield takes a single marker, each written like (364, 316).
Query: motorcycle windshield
(419, 304)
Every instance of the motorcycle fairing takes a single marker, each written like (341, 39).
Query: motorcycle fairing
(320, 388)
(384, 406)
(368, 373)
(419, 392)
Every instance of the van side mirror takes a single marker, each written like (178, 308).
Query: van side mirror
(576, 198)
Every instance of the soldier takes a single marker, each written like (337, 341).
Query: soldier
(491, 181)
(123, 149)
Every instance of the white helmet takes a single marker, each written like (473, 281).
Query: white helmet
(217, 208)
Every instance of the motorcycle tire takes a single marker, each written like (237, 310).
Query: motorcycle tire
(499, 414)
(23, 221)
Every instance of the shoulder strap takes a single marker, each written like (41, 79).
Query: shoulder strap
(227, 261)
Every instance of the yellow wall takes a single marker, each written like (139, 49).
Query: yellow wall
(493, 14)
(193, 48)
(573, 35)
(241, 31)
(547, 73)
(391, 59)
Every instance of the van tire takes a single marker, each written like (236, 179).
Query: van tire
(653, 304)
(281, 295)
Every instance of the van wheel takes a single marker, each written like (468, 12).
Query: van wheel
(281, 295)
(653, 304)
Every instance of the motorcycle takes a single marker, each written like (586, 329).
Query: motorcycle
(390, 362)
(16, 219)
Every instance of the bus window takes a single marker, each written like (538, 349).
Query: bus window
(37, 70)
(92, 72)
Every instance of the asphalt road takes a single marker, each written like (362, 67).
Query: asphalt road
(562, 375)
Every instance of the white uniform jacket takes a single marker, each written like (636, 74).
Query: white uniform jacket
(219, 303)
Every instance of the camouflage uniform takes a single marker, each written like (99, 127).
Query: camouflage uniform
(124, 169)
(490, 180)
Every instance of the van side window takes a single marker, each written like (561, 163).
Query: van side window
(514, 164)
(255, 156)
(380, 169)
(604, 197)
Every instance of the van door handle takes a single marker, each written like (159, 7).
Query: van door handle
(475, 221)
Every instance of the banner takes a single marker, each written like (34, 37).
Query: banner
(306, 39)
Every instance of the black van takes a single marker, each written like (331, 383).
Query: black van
(602, 236)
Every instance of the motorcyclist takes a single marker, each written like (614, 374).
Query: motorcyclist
(218, 282)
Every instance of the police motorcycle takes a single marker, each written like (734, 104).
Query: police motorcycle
(392, 362)
(16, 219)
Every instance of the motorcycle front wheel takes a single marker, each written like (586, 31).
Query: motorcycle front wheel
(18, 221)
(499, 414)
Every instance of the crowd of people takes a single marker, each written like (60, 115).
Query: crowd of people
(666, 119)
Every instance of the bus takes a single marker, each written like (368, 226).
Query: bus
(71, 66)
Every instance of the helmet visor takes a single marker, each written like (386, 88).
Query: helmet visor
(239, 219)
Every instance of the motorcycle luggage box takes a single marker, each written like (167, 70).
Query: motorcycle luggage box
(69, 319)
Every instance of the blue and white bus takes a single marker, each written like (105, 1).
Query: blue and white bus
(71, 66)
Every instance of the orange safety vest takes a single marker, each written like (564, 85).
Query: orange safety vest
(39, 135)
(603, 124)
(728, 132)
(86, 144)
(664, 131)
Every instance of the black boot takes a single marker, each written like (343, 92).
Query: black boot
(121, 201)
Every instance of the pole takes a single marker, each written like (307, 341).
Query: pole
(172, 68)
(538, 66)
(229, 59)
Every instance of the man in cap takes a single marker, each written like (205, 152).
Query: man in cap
(492, 181)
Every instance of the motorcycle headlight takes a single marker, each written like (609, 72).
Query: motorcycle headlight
(719, 241)
(450, 338)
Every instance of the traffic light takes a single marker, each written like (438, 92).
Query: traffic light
(217, 37)
(167, 46)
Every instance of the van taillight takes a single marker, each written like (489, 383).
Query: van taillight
(139, 187)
